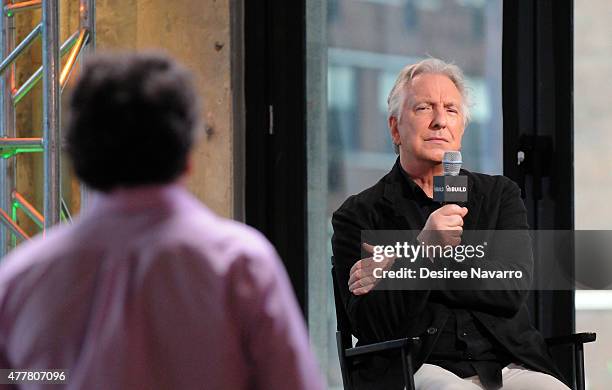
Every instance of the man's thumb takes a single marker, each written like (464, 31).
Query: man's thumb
(367, 247)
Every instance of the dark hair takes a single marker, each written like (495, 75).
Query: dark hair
(132, 120)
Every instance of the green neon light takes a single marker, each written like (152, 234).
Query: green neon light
(14, 216)
(26, 90)
(9, 152)
(32, 149)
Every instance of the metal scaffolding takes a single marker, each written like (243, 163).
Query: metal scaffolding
(54, 78)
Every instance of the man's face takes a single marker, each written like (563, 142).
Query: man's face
(432, 120)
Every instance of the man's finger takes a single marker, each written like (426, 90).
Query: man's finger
(356, 266)
(354, 275)
(455, 231)
(369, 281)
(359, 266)
(357, 285)
(368, 248)
(454, 220)
(363, 283)
(452, 229)
(387, 263)
(453, 209)
(362, 290)
(456, 241)
(361, 273)
(450, 209)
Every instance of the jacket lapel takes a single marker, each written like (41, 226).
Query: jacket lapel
(403, 208)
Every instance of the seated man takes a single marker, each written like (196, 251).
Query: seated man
(148, 289)
(471, 339)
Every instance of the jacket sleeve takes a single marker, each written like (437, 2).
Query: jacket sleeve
(378, 315)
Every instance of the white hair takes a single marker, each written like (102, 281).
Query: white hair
(430, 65)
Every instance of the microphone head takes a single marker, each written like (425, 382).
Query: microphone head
(451, 163)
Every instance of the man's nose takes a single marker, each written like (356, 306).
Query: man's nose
(439, 119)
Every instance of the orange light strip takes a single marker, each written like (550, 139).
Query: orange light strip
(72, 57)
(22, 6)
(20, 141)
(4, 217)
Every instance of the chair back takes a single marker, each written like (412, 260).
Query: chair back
(344, 339)
(342, 321)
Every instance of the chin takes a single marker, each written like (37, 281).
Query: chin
(435, 155)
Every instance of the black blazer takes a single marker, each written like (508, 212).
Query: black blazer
(494, 203)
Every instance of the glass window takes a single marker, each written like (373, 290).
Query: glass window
(355, 49)
(592, 162)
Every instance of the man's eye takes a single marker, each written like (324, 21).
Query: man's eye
(422, 108)
(452, 110)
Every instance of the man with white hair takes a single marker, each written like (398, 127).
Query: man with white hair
(471, 339)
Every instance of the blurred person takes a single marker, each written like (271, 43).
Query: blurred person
(148, 289)
(471, 339)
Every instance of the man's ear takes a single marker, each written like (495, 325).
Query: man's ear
(188, 165)
(395, 137)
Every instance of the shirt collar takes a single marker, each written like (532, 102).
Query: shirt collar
(162, 198)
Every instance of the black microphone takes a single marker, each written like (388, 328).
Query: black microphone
(451, 187)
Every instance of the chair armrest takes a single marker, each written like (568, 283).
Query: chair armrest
(576, 338)
(409, 343)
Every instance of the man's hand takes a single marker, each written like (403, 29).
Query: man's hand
(361, 279)
(444, 226)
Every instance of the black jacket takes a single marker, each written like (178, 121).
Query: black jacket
(494, 203)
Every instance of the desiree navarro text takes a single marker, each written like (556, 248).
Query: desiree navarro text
(425, 273)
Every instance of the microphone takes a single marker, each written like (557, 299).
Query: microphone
(451, 163)
(451, 187)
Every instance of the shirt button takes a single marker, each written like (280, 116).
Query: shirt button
(432, 330)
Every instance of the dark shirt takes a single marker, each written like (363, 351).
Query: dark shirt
(464, 347)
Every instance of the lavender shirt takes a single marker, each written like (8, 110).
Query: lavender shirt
(148, 289)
